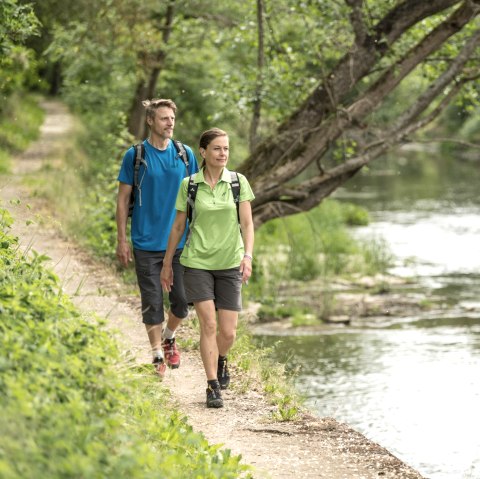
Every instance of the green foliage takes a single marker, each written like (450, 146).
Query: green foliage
(272, 310)
(311, 246)
(71, 405)
(17, 24)
(354, 215)
(20, 121)
(470, 131)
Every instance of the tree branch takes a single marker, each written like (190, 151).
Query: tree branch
(356, 19)
(397, 72)
(308, 149)
(307, 194)
(323, 101)
(442, 81)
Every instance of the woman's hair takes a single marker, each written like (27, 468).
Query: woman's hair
(207, 137)
(152, 105)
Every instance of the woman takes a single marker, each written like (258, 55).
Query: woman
(217, 257)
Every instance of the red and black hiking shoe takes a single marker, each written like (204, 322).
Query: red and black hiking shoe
(171, 353)
(160, 366)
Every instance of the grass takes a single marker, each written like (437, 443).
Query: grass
(255, 370)
(314, 245)
(258, 370)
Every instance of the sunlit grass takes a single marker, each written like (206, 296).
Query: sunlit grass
(20, 120)
(258, 370)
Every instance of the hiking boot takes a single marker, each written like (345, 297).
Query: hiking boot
(214, 397)
(171, 353)
(222, 373)
(160, 366)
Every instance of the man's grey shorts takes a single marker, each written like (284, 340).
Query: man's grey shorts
(223, 286)
(148, 265)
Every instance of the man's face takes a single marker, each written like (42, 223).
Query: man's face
(163, 123)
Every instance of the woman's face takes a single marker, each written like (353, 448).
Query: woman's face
(216, 153)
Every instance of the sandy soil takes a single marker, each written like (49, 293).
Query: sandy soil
(308, 448)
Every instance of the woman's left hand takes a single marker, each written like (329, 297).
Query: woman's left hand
(246, 269)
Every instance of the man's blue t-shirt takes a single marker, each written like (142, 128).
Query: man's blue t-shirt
(154, 209)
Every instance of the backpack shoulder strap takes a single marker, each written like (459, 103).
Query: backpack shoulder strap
(139, 158)
(191, 195)
(235, 185)
(181, 152)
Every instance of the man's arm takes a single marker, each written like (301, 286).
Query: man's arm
(124, 253)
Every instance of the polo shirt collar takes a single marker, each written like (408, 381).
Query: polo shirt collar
(200, 178)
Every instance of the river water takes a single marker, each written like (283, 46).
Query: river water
(411, 384)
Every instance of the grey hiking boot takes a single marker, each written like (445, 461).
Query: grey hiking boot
(214, 397)
(222, 373)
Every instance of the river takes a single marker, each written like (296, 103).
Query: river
(410, 384)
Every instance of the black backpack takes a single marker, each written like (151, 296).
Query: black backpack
(140, 159)
(192, 194)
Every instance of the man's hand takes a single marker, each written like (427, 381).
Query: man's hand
(166, 277)
(124, 253)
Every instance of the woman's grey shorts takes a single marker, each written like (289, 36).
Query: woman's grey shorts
(148, 265)
(223, 286)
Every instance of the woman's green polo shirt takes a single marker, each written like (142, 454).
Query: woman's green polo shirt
(215, 241)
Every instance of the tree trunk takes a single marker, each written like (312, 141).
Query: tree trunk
(257, 103)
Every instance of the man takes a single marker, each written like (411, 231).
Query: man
(152, 218)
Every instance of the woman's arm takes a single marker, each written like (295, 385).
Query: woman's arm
(166, 275)
(246, 223)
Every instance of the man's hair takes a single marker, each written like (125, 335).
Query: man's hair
(152, 105)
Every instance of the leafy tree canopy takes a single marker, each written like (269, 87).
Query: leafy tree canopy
(322, 87)
(17, 24)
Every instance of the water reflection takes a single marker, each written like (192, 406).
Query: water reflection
(413, 238)
(413, 390)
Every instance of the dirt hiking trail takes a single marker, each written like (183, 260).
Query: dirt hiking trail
(307, 448)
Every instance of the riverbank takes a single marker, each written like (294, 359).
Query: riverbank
(309, 447)
(366, 301)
